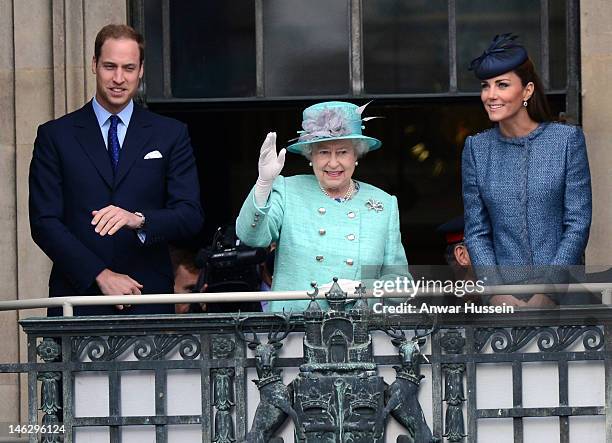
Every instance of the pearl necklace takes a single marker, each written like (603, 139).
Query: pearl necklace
(347, 195)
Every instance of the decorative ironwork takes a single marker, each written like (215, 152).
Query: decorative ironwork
(48, 349)
(548, 339)
(223, 398)
(50, 396)
(328, 358)
(454, 397)
(274, 397)
(402, 395)
(223, 347)
(338, 395)
(144, 348)
(453, 342)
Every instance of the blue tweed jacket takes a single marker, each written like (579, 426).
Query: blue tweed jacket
(319, 238)
(527, 200)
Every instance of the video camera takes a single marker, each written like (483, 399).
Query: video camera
(229, 266)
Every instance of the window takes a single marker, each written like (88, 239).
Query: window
(291, 49)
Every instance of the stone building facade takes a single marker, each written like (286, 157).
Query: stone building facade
(46, 47)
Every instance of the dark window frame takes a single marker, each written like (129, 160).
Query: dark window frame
(572, 91)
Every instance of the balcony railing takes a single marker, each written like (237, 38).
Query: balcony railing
(188, 377)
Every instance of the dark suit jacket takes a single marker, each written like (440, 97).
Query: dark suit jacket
(71, 175)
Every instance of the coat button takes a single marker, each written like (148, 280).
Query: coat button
(322, 231)
(253, 225)
(351, 214)
(349, 261)
(322, 211)
(350, 237)
(319, 257)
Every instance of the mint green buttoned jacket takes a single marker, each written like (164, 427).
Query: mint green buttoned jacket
(319, 238)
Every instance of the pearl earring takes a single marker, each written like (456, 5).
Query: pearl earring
(525, 103)
(309, 163)
(356, 163)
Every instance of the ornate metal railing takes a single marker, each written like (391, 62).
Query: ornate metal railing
(226, 355)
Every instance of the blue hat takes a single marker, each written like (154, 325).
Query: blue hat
(502, 55)
(332, 121)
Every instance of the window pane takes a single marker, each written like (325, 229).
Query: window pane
(213, 48)
(558, 67)
(153, 48)
(306, 47)
(478, 21)
(405, 46)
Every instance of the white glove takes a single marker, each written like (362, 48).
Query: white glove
(270, 166)
(346, 285)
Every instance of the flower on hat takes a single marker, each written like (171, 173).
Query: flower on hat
(330, 122)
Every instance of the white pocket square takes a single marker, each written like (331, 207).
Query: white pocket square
(153, 154)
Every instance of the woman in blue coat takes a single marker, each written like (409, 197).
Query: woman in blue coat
(327, 224)
(526, 181)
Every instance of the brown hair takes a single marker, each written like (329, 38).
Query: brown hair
(117, 32)
(181, 256)
(537, 105)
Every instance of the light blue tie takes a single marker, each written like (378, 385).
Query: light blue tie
(113, 142)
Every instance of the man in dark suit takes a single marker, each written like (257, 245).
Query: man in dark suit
(110, 185)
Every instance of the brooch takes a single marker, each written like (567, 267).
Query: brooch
(375, 205)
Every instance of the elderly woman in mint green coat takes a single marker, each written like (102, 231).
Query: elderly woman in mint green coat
(328, 224)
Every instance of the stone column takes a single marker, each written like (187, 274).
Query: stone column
(596, 59)
(9, 349)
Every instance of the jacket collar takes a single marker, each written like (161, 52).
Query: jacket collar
(520, 140)
(90, 138)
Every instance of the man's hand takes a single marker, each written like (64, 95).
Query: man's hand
(509, 300)
(110, 219)
(112, 283)
(184, 308)
(541, 301)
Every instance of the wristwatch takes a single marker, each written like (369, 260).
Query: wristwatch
(143, 219)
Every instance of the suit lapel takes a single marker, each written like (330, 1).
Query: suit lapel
(89, 136)
(138, 134)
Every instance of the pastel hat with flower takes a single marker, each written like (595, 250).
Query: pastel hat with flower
(333, 121)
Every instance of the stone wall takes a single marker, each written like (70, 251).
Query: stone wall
(596, 61)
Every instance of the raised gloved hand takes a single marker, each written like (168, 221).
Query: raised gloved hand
(270, 166)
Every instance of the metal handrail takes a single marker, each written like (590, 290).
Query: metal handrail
(67, 303)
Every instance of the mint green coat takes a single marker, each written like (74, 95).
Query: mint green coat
(319, 238)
